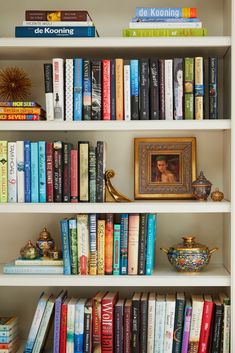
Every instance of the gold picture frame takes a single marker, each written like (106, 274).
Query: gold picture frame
(164, 167)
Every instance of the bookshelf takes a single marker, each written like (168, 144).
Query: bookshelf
(212, 223)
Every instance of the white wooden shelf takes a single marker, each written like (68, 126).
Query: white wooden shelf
(165, 276)
(139, 125)
(162, 206)
(45, 48)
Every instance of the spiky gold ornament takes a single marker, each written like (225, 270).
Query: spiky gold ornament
(15, 84)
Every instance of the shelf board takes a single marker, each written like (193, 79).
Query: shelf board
(139, 125)
(162, 206)
(165, 276)
(32, 48)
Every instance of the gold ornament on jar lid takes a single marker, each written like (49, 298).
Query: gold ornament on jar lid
(29, 251)
(217, 195)
(44, 243)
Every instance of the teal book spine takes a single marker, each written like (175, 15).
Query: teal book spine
(116, 249)
(42, 171)
(64, 230)
(124, 245)
(73, 242)
(34, 172)
(151, 235)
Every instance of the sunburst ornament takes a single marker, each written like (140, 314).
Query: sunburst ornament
(15, 84)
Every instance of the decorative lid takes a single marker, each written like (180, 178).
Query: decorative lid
(44, 235)
(201, 181)
(189, 244)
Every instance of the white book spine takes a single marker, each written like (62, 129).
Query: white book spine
(79, 317)
(127, 92)
(169, 326)
(151, 322)
(195, 328)
(162, 25)
(58, 86)
(159, 326)
(70, 327)
(69, 89)
(12, 172)
(50, 105)
(168, 89)
(20, 170)
(227, 328)
(57, 23)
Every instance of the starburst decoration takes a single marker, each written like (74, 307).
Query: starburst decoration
(15, 84)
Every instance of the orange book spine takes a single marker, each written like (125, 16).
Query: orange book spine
(109, 244)
(13, 110)
(119, 89)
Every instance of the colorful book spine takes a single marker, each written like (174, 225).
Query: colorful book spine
(160, 314)
(167, 12)
(18, 104)
(101, 247)
(178, 88)
(142, 244)
(21, 110)
(93, 244)
(83, 171)
(169, 89)
(179, 320)
(27, 171)
(187, 324)
(124, 244)
(206, 324)
(88, 327)
(199, 88)
(54, 32)
(58, 88)
(69, 89)
(77, 89)
(119, 89)
(197, 311)
(162, 88)
(107, 322)
(118, 319)
(64, 229)
(106, 89)
(92, 174)
(166, 32)
(83, 243)
(70, 326)
(109, 244)
(127, 327)
(127, 90)
(34, 172)
(20, 170)
(154, 89)
(67, 147)
(3, 171)
(133, 244)
(213, 88)
(48, 80)
(96, 322)
(32, 117)
(189, 88)
(113, 89)
(134, 89)
(57, 148)
(100, 162)
(86, 90)
(54, 15)
(144, 89)
(116, 249)
(74, 176)
(96, 101)
(12, 172)
(150, 244)
(49, 172)
(73, 246)
(57, 319)
(79, 326)
(151, 322)
(63, 325)
(42, 171)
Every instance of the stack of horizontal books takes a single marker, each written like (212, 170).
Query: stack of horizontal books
(9, 341)
(21, 111)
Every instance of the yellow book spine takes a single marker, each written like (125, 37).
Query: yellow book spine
(101, 246)
(199, 89)
(119, 89)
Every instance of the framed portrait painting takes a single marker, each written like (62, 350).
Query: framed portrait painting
(165, 167)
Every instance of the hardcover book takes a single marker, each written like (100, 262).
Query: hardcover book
(127, 327)
(27, 171)
(116, 250)
(83, 170)
(64, 230)
(12, 172)
(169, 323)
(178, 88)
(69, 89)
(88, 327)
(49, 172)
(143, 323)
(73, 246)
(58, 88)
(83, 243)
(144, 89)
(199, 88)
(169, 89)
(101, 247)
(167, 12)
(79, 325)
(86, 89)
(160, 314)
(70, 325)
(42, 171)
(48, 80)
(93, 244)
(134, 89)
(96, 102)
(34, 172)
(197, 311)
(109, 244)
(142, 244)
(63, 325)
(179, 320)
(3, 171)
(124, 244)
(74, 176)
(127, 90)
(107, 322)
(189, 88)
(54, 15)
(57, 318)
(57, 157)
(118, 319)
(187, 324)
(96, 322)
(135, 325)
(92, 174)
(154, 89)
(213, 88)
(106, 89)
(119, 89)
(150, 243)
(67, 147)
(77, 89)
(133, 244)
(54, 32)
(206, 324)
(151, 322)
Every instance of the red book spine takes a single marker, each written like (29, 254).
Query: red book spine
(107, 323)
(49, 172)
(63, 327)
(106, 98)
(109, 244)
(127, 329)
(205, 327)
(74, 176)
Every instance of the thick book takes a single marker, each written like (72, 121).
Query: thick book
(142, 244)
(58, 88)
(40, 261)
(70, 326)
(42, 170)
(160, 315)
(100, 171)
(88, 327)
(127, 327)
(48, 81)
(133, 244)
(166, 12)
(206, 324)
(119, 89)
(77, 89)
(197, 311)
(124, 244)
(27, 171)
(216, 329)
(166, 32)
(54, 32)
(92, 174)
(107, 322)
(135, 324)
(213, 88)
(101, 247)
(19, 104)
(162, 88)
(57, 318)
(73, 246)
(20, 170)
(109, 244)
(74, 176)
(21, 117)
(151, 322)
(199, 88)
(3, 171)
(187, 324)
(169, 323)
(106, 89)
(83, 243)
(160, 25)
(226, 325)
(134, 89)
(127, 90)
(12, 172)
(179, 321)
(69, 76)
(55, 15)
(63, 325)
(67, 147)
(11, 268)
(96, 321)
(143, 322)
(154, 89)
(93, 244)
(118, 333)
(189, 88)
(64, 231)
(34, 172)
(113, 89)
(87, 89)
(144, 89)
(79, 326)
(150, 243)
(178, 88)
(22, 110)
(116, 249)
(168, 89)
(96, 97)
(49, 172)
(57, 170)
(36, 323)
(83, 171)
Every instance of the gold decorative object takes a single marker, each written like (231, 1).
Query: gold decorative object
(54, 253)
(201, 187)
(44, 243)
(111, 193)
(15, 84)
(217, 195)
(29, 251)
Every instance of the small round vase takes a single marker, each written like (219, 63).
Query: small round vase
(29, 251)
(201, 187)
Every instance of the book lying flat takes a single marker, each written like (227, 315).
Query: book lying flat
(11, 268)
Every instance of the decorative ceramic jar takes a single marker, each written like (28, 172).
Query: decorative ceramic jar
(29, 251)
(44, 243)
(201, 187)
(54, 253)
(217, 195)
(189, 256)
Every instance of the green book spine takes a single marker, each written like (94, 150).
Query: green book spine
(3, 171)
(168, 32)
(188, 88)
(73, 246)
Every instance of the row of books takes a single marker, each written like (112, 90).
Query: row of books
(164, 22)
(44, 24)
(52, 172)
(9, 334)
(148, 322)
(21, 111)
(118, 89)
(109, 245)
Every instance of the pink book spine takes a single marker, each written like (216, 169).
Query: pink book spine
(186, 332)
(49, 172)
(133, 244)
(106, 90)
(74, 176)
(206, 325)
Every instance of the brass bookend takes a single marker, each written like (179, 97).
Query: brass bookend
(111, 194)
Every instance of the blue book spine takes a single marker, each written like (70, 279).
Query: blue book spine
(113, 90)
(124, 245)
(64, 229)
(161, 12)
(27, 171)
(134, 89)
(151, 235)
(116, 249)
(34, 172)
(77, 96)
(42, 171)
(79, 327)
(58, 303)
(51, 32)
